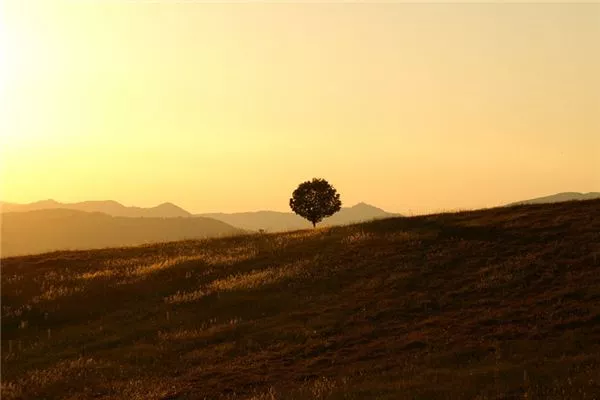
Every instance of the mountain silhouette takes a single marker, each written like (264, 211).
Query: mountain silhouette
(273, 221)
(110, 207)
(555, 198)
(40, 231)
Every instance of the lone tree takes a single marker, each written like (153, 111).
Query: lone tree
(315, 200)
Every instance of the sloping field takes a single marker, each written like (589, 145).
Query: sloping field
(492, 304)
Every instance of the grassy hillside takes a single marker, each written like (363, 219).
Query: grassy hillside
(59, 229)
(492, 304)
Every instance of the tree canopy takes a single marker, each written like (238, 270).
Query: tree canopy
(315, 200)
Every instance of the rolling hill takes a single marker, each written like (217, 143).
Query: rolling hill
(501, 303)
(59, 229)
(555, 198)
(273, 221)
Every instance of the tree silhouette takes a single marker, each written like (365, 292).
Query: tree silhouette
(315, 200)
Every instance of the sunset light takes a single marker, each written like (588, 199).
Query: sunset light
(299, 199)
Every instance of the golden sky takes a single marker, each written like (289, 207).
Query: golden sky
(227, 107)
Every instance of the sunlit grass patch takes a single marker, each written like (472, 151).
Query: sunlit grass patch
(60, 371)
(356, 237)
(143, 267)
(256, 279)
(143, 389)
(121, 268)
(113, 263)
(139, 269)
(8, 311)
(155, 267)
(321, 388)
(56, 277)
(227, 258)
(99, 274)
(55, 292)
(36, 381)
(308, 233)
(279, 242)
(207, 328)
(186, 297)
(243, 281)
(10, 390)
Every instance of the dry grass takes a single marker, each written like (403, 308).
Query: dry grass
(54, 292)
(255, 279)
(492, 304)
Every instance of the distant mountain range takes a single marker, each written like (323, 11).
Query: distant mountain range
(110, 207)
(272, 221)
(49, 225)
(39, 231)
(268, 220)
(555, 198)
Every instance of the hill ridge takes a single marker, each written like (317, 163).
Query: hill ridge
(559, 197)
(251, 220)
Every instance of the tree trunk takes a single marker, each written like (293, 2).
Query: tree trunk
(314, 224)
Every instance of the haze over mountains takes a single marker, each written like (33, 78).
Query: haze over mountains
(40, 231)
(110, 207)
(49, 225)
(267, 220)
(272, 221)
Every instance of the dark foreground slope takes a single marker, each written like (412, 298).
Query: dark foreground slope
(59, 229)
(494, 304)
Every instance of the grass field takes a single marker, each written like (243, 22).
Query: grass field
(493, 304)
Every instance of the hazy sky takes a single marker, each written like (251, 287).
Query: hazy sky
(227, 107)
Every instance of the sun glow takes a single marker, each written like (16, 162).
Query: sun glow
(227, 107)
